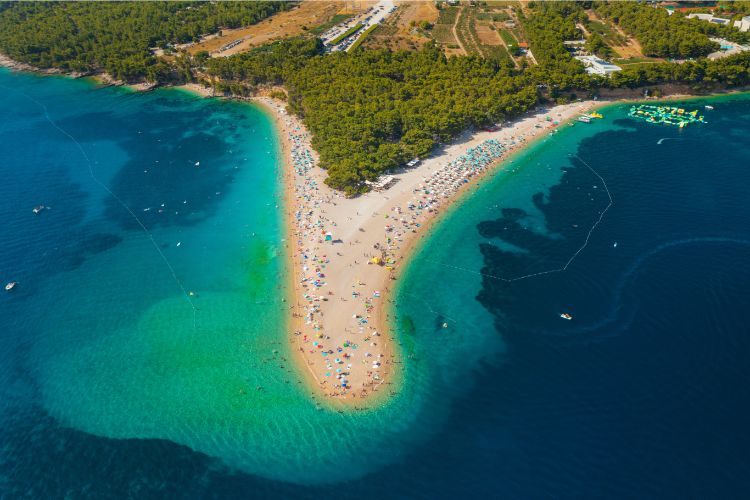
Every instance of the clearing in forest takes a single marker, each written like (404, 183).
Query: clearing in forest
(626, 46)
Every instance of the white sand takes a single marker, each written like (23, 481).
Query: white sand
(328, 317)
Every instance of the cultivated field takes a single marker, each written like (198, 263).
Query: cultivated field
(483, 30)
(444, 31)
(401, 30)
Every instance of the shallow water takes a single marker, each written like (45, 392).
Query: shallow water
(132, 365)
(641, 393)
(150, 297)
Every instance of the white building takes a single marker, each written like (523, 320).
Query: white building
(710, 18)
(743, 24)
(597, 66)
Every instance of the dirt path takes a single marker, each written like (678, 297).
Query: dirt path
(632, 49)
(507, 49)
(455, 33)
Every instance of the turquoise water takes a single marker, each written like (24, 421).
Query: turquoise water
(150, 297)
(136, 366)
(641, 232)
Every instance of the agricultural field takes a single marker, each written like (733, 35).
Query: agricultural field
(466, 31)
(488, 31)
(443, 31)
(403, 29)
(510, 41)
(306, 17)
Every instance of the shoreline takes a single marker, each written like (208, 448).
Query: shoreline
(381, 319)
(319, 222)
(371, 303)
(288, 126)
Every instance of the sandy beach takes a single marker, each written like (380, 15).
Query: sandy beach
(347, 252)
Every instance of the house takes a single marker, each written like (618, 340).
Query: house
(597, 66)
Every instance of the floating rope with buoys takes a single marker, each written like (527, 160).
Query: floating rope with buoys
(570, 260)
(117, 199)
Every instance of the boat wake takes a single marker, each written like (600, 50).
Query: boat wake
(660, 141)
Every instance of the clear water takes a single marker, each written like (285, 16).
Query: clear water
(115, 380)
(150, 298)
(642, 392)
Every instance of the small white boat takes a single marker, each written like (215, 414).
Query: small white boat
(584, 119)
(709, 107)
(10, 286)
(566, 316)
(38, 209)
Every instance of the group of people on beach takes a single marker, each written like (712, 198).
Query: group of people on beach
(314, 249)
(312, 252)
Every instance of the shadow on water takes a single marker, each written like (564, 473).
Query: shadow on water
(164, 180)
(584, 200)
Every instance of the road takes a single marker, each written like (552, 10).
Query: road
(372, 16)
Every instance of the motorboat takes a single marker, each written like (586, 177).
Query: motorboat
(566, 316)
(38, 209)
(709, 107)
(10, 286)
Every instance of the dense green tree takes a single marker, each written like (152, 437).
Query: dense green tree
(115, 37)
(371, 111)
(547, 27)
(596, 45)
(660, 34)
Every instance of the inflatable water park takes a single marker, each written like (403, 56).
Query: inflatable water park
(666, 115)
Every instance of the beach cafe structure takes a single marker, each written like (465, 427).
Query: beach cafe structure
(382, 183)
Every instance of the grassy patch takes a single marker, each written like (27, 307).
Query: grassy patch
(443, 34)
(636, 60)
(363, 36)
(610, 36)
(447, 15)
(508, 38)
(346, 34)
(337, 19)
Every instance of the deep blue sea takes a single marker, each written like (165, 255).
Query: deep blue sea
(149, 301)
